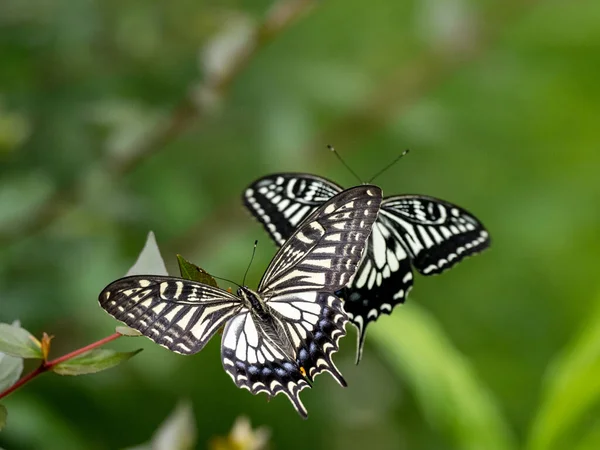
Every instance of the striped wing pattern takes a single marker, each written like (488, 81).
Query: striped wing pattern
(324, 252)
(314, 322)
(283, 201)
(278, 339)
(436, 233)
(412, 230)
(318, 259)
(257, 362)
(383, 279)
(179, 314)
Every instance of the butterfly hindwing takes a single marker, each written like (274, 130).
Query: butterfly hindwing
(314, 322)
(255, 361)
(179, 314)
(382, 281)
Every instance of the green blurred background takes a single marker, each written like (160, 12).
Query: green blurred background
(120, 117)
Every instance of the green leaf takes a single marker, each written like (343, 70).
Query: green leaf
(192, 272)
(11, 368)
(93, 361)
(16, 341)
(126, 331)
(447, 390)
(571, 390)
(3, 416)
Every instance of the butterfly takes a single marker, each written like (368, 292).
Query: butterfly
(279, 337)
(424, 232)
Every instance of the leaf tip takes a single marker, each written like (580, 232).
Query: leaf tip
(128, 332)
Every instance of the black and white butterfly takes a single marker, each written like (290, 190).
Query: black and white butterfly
(431, 234)
(278, 338)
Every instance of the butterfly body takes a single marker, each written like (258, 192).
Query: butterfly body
(411, 231)
(268, 321)
(279, 337)
(254, 302)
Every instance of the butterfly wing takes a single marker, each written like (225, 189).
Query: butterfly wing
(255, 358)
(383, 280)
(298, 286)
(179, 314)
(280, 202)
(324, 252)
(437, 234)
(430, 233)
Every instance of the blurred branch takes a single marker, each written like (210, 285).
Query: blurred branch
(279, 17)
(403, 88)
(188, 112)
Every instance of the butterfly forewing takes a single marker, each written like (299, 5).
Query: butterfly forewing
(323, 253)
(436, 233)
(179, 314)
(431, 234)
(281, 202)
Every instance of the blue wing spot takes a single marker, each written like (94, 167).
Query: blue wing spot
(303, 355)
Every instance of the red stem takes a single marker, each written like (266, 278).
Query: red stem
(48, 365)
(87, 348)
(30, 376)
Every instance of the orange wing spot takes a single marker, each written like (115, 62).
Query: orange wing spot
(229, 290)
(303, 371)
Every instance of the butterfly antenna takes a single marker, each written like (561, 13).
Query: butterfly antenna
(334, 151)
(225, 279)
(398, 158)
(250, 263)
